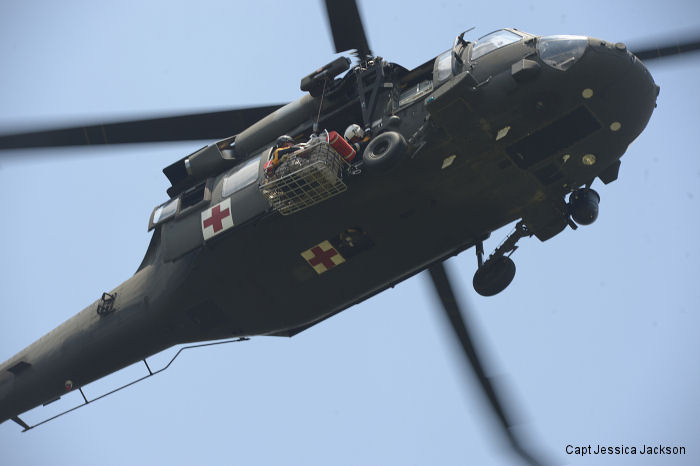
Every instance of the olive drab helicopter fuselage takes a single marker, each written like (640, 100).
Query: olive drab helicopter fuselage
(484, 134)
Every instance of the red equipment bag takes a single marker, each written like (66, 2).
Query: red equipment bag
(341, 146)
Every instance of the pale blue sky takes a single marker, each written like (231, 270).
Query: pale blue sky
(597, 335)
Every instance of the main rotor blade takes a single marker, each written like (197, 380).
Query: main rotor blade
(211, 125)
(346, 27)
(444, 290)
(667, 48)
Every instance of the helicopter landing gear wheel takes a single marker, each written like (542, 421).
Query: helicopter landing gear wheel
(494, 276)
(384, 152)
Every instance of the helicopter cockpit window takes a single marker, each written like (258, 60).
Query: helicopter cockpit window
(242, 177)
(164, 212)
(493, 41)
(443, 69)
(561, 52)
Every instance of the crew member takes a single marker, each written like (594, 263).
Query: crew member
(283, 147)
(357, 137)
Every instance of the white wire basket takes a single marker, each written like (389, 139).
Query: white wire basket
(307, 177)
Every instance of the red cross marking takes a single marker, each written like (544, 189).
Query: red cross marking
(216, 217)
(323, 257)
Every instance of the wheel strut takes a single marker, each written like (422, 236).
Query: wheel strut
(480, 253)
(508, 246)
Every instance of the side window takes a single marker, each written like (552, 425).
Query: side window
(163, 212)
(414, 93)
(242, 177)
(179, 206)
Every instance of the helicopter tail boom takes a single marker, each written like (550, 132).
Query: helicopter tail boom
(110, 334)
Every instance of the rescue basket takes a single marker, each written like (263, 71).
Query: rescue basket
(305, 178)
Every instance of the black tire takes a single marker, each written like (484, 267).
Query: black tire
(494, 276)
(385, 152)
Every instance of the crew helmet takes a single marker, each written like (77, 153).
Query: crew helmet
(354, 133)
(284, 139)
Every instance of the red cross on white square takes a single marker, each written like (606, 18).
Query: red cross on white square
(217, 219)
(323, 257)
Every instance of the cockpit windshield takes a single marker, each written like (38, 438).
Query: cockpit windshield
(493, 41)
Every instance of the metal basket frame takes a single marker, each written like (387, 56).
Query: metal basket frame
(305, 178)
